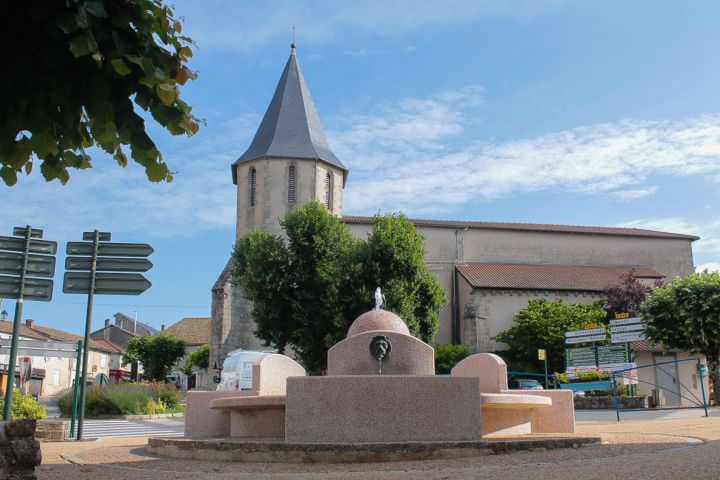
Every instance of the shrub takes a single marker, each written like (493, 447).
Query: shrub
(124, 399)
(24, 406)
(447, 356)
(592, 375)
(167, 393)
(64, 402)
(128, 399)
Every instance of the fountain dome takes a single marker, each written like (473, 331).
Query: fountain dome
(378, 320)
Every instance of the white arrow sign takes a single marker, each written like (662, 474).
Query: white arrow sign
(628, 328)
(625, 321)
(582, 333)
(626, 337)
(590, 338)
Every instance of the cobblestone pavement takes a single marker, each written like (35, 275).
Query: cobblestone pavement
(654, 449)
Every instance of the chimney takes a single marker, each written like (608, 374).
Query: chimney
(162, 328)
(107, 322)
(30, 322)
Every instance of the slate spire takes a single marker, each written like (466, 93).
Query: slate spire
(291, 127)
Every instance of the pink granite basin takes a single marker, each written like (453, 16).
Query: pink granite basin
(512, 400)
(506, 414)
(259, 402)
(261, 416)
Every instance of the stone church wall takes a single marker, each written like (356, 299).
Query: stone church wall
(447, 246)
(486, 313)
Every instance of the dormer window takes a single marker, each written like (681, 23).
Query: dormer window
(291, 184)
(253, 184)
(328, 191)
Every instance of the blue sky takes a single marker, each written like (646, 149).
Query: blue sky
(586, 113)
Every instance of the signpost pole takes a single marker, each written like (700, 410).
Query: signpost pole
(546, 377)
(10, 385)
(702, 386)
(86, 341)
(73, 415)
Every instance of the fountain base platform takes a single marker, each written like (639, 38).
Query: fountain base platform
(279, 451)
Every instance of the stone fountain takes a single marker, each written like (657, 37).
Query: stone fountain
(379, 399)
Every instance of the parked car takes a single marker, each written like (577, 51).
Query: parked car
(524, 384)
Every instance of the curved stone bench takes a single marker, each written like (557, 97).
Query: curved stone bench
(258, 416)
(509, 413)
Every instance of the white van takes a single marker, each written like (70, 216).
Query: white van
(237, 369)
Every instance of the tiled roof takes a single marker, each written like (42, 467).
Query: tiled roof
(194, 330)
(646, 346)
(533, 227)
(63, 336)
(7, 327)
(109, 346)
(547, 277)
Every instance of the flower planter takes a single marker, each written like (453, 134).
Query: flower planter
(586, 386)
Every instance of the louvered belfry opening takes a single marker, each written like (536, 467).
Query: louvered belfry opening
(328, 191)
(291, 184)
(253, 185)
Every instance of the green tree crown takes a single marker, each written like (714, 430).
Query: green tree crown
(158, 354)
(542, 324)
(308, 286)
(685, 315)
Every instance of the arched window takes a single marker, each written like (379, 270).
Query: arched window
(253, 184)
(291, 184)
(328, 191)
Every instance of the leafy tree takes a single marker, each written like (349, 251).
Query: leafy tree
(158, 354)
(542, 324)
(447, 356)
(686, 315)
(200, 359)
(77, 71)
(308, 286)
(627, 295)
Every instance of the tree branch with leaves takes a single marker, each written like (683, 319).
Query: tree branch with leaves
(685, 315)
(78, 72)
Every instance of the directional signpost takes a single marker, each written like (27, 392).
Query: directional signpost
(87, 265)
(626, 329)
(587, 335)
(16, 266)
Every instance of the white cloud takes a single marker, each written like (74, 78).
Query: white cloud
(363, 52)
(636, 193)
(403, 153)
(710, 267)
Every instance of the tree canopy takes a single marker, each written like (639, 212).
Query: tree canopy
(308, 286)
(200, 359)
(542, 324)
(685, 315)
(76, 71)
(627, 295)
(158, 354)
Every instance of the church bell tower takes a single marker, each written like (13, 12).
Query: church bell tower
(288, 163)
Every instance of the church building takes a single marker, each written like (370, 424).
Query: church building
(490, 270)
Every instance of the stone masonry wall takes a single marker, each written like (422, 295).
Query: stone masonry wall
(231, 324)
(19, 451)
(51, 430)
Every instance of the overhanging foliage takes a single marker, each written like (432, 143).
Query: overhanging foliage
(75, 72)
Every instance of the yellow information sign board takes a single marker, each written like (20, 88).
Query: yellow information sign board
(622, 315)
(542, 354)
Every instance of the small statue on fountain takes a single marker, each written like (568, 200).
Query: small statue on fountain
(379, 299)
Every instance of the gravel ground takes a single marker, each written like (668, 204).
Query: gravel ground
(659, 449)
